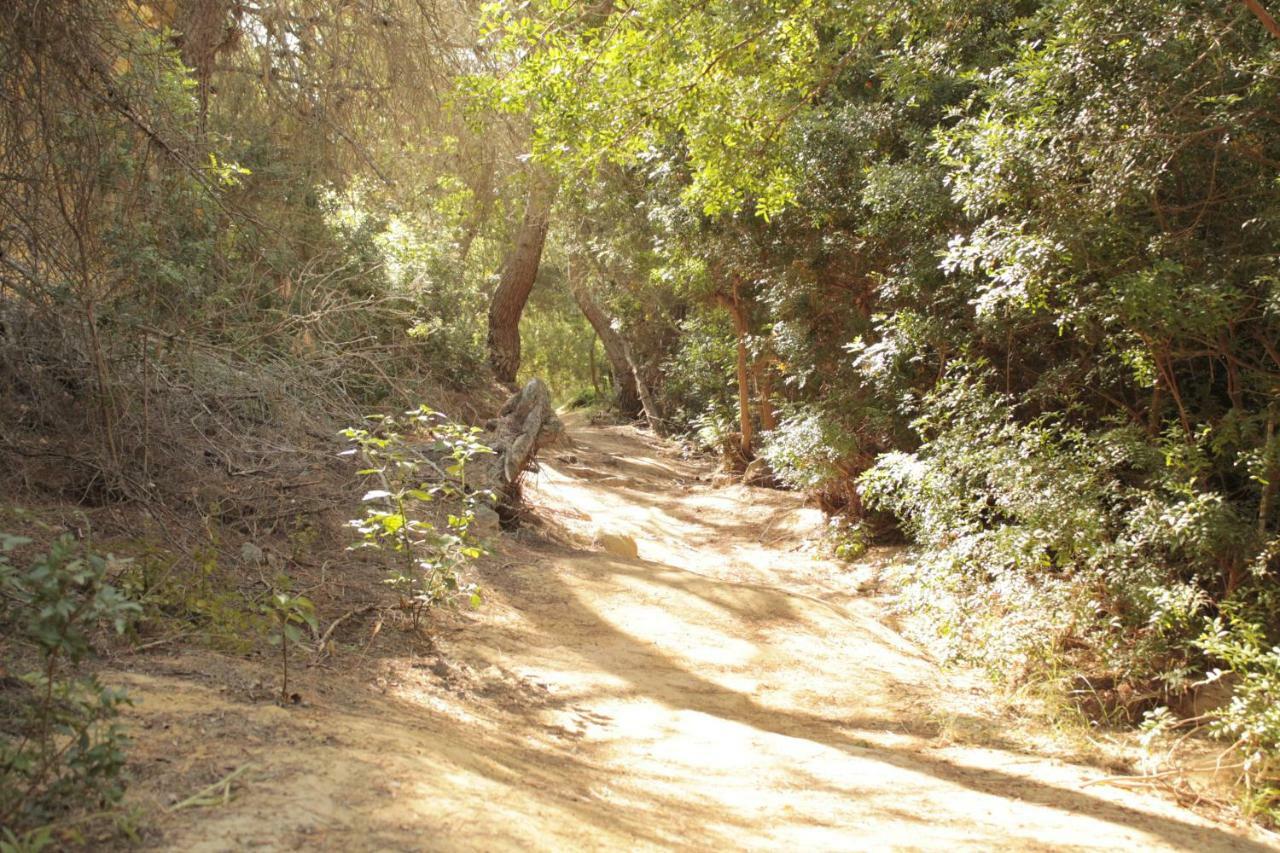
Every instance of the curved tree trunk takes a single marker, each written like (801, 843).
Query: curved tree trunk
(518, 274)
(624, 379)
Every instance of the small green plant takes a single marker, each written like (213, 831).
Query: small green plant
(288, 612)
(189, 594)
(59, 748)
(428, 554)
(848, 540)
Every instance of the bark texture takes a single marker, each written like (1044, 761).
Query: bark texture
(647, 402)
(518, 275)
(526, 423)
(764, 388)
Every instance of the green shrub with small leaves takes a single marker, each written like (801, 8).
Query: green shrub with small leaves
(1042, 537)
(410, 472)
(1251, 718)
(59, 747)
(288, 613)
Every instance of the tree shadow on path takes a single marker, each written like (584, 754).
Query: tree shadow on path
(604, 647)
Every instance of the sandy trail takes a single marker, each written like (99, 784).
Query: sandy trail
(722, 689)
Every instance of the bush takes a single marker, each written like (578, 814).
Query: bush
(59, 748)
(1251, 719)
(428, 556)
(1042, 539)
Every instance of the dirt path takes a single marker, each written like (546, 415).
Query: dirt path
(720, 689)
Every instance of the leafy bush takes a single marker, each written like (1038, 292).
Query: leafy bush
(1041, 538)
(1251, 719)
(429, 556)
(59, 748)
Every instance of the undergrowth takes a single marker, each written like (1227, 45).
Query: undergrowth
(60, 748)
(1084, 561)
(426, 555)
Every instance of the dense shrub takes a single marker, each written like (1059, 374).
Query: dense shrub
(59, 749)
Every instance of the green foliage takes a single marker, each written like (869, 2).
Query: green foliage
(191, 593)
(726, 77)
(1251, 718)
(699, 380)
(428, 555)
(1042, 537)
(848, 540)
(557, 342)
(288, 612)
(814, 450)
(59, 748)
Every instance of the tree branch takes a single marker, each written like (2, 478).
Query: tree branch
(1263, 15)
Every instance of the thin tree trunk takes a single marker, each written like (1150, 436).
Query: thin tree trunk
(652, 414)
(624, 378)
(742, 328)
(1264, 16)
(649, 405)
(764, 387)
(1271, 472)
(595, 368)
(479, 216)
(518, 275)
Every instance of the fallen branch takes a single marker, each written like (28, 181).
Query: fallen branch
(1143, 778)
(160, 642)
(208, 795)
(526, 424)
(323, 642)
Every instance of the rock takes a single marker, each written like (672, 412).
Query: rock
(757, 473)
(618, 545)
(487, 520)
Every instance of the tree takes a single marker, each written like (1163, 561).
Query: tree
(627, 395)
(519, 272)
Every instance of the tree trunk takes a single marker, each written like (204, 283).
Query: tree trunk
(595, 368)
(518, 274)
(742, 328)
(526, 424)
(649, 405)
(624, 378)
(764, 387)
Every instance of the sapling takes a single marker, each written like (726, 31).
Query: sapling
(288, 612)
(427, 556)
